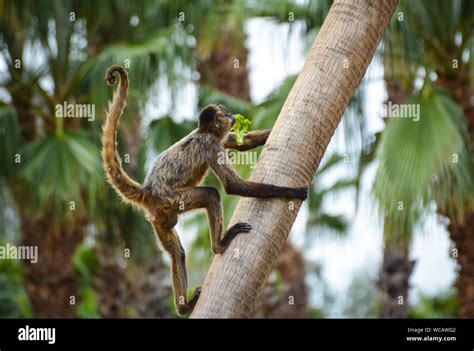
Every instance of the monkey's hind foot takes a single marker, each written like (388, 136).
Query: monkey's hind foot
(232, 232)
(189, 306)
(301, 193)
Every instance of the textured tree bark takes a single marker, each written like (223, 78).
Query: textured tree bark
(461, 230)
(394, 282)
(148, 294)
(108, 282)
(462, 234)
(51, 282)
(335, 65)
(217, 67)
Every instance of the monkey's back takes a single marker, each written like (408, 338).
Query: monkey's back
(182, 165)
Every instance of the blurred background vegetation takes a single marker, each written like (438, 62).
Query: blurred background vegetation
(98, 258)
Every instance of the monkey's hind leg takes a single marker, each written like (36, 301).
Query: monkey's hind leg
(171, 244)
(209, 198)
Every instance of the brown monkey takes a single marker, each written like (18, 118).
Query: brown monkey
(171, 187)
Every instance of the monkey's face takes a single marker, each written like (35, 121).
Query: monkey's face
(216, 120)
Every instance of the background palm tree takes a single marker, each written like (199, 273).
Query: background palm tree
(427, 162)
(57, 52)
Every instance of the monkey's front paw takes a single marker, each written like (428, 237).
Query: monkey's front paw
(230, 234)
(302, 193)
(241, 228)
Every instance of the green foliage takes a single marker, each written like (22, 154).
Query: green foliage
(443, 305)
(9, 141)
(164, 132)
(161, 54)
(318, 218)
(89, 306)
(267, 111)
(209, 95)
(422, 162)
(14, 301)
(421, 42)
(311, 12)
(60, 169)
(431, 41)
(85, 265)
(9, 221)
(155, 44)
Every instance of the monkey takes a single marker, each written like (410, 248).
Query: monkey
(171, 187)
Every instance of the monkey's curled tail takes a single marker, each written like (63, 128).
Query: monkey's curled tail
(130, 191)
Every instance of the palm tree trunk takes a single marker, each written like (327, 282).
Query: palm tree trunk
(462, 234)
(285, 296)
(110, 283)
(51, 282)
(148, 294)
(335, 65)
(461, 230)
(218, 67)
(394, 281)
(396, 267)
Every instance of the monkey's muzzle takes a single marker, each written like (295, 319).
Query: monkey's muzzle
(232, 118)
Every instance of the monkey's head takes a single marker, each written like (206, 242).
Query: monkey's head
(214, 119)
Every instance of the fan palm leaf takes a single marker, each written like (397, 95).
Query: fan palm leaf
(423, 162)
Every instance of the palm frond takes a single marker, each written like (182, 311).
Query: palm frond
(164, 132)
(425, 39)
(326, 223)
(9, 141)
(58, 169)
(312, 13)
(162, 54)
(425, 161)
(209, 94)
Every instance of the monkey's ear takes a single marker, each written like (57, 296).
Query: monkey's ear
(207, 115)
